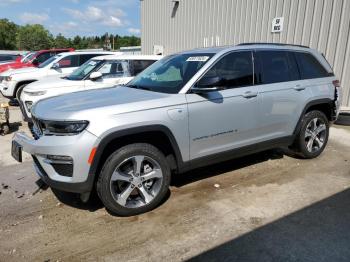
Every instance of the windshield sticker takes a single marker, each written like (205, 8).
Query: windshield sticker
(197, 59)
(153, 77)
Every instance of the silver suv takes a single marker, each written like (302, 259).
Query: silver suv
(187, 110)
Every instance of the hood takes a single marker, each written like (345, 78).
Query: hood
(26, 70)
(86, 104)
(50, 82)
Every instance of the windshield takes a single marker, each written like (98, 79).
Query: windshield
(28, 57)
(85, 69)
(48, 61)
(170, 74)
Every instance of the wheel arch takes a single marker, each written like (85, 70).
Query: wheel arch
(158, 135)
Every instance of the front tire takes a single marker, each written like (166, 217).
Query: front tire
(313, 135)
(134, 180)
(19, 92)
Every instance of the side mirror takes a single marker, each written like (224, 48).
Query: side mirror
(35, 62)
(55, 66)
(95, 75)
(208, 84)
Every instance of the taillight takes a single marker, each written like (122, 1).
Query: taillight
(336, 83)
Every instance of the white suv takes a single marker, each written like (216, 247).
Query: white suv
(62, 64)
(99, 72)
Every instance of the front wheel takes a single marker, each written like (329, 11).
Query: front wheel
(313, 134)
(134, 180)
(19, 92)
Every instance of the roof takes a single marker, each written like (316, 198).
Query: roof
(128, 57)
(88, 53)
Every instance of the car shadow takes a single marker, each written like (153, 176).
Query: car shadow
(319, 232)
(180, 180)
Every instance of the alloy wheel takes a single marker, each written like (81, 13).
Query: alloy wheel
(315, 135)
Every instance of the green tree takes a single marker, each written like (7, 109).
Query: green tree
(33, 37)
(8, 31)
(62, 42)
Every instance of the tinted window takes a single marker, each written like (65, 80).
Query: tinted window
(309, 66)
(112, 69)
(43, 57)
(278, 66)
(235, 70)
(69, 61)
(139, 65)
(84, 58)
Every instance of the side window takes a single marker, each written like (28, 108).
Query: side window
(235, 70)
(309, 66)
(43, 57)
(278, 66)
(140, 65)
(84, 58)
(69, 61)
(112, 69)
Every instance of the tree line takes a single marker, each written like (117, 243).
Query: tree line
(36, 37)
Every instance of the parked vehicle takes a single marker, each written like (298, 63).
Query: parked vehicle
(187, 110)
(99, 72)
(6, 58)
(34, 59)
(62, 64)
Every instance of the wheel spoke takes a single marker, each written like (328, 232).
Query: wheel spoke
(310, 144)
(123, 197)
(137, 160)
(308, 133)
(320, 128)
(118, 176)
(319, 142)
(314, 121)
(155, 173)
(145, 194)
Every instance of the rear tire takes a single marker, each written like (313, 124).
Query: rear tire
(313, 135)
(134, 180)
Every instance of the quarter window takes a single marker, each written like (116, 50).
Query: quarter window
(278, 66)
(234, 70)
(309, 66)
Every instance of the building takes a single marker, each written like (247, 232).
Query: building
(169, 26)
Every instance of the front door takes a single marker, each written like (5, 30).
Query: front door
(223, 120)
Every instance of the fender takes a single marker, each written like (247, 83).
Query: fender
(310, 104)
(132, 131)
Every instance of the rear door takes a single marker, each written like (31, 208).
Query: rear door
(282, 93)
(224, 120)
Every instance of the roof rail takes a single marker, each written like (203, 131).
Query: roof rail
(278, 44)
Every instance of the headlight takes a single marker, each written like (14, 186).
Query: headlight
(8, 78)
(34, 93)
(62, 127)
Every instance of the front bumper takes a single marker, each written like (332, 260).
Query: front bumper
(76, 147)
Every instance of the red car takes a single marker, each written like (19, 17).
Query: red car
(34, 59)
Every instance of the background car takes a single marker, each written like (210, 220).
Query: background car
(34, 59)
(62, 64)
(99, 72)
(5, 58)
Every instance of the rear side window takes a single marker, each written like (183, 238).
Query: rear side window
(234, 69)
(69, 61)
(84, 58)
(139, 65)
(309, 66)
(278, 66)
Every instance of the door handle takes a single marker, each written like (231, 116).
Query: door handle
(299, 87)
(250, 94)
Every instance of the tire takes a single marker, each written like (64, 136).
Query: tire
(313, 135)
(126, 187)
(19, 92)
(5, 129)
(343, 119)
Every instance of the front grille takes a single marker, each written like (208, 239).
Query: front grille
(36, 129)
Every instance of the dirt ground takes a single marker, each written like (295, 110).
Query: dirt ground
(264, 207)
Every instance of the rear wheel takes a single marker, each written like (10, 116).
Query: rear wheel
(313, 135)
(134, 180)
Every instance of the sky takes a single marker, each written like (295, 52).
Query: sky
(76, 17)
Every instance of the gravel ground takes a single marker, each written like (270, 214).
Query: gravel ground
(264, 207)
